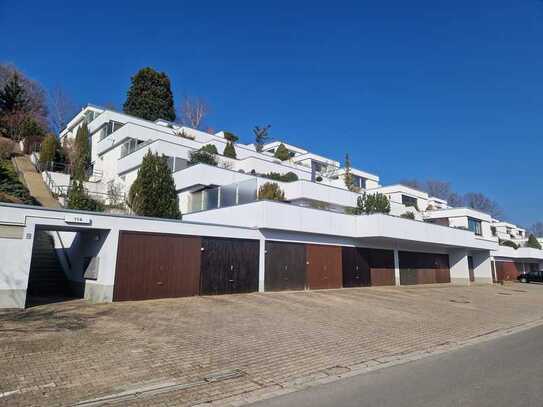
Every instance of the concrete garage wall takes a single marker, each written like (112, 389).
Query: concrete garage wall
(15, 255)
(90, 235)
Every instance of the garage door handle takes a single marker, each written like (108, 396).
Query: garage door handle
(159, 283)
(231, 281)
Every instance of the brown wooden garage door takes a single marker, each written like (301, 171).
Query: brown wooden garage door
(229, 266)
(323, 266)
(285, 266)
(381, 267)
(507, 271)
(156, 266)
(423, 268)
(356, 267)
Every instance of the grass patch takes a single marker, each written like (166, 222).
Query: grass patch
(11, 189)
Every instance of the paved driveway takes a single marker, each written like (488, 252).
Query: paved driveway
(238, 347)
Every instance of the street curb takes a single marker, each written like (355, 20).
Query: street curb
(327, 375)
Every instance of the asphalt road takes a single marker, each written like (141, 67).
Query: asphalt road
(504, 372)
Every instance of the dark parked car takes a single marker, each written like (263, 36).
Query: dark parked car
(530, 276)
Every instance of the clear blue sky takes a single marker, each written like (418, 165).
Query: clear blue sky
(450, 90)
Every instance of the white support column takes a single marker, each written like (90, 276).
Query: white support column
(459, 266)
(396, 267)
(482, 269)
(262, 265)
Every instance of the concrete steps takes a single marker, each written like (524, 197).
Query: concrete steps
(34, 182)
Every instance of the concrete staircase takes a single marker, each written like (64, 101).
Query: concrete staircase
(47, 279)
(33, 180)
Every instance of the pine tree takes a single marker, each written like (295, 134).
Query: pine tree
(153, 192)
(13, 97)
(82, 153)
(282, 153)
(229, 150)
(150, 96)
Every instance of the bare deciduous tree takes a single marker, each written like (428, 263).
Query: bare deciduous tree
(193, 112)
(455, 200)
(439, 189)
(537, 229)
(479, 201)
(61, 109)
(412, 183)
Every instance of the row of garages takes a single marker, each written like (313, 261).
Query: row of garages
(151, 266)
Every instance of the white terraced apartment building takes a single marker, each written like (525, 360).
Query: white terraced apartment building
(440, 245)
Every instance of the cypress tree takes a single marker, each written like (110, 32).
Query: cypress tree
(282, 153)
(50, 150)
(82, 152)
(153, 192)
(229, 150)
(348, 176)
(150, 96)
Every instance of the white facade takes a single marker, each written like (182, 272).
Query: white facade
(222, 201)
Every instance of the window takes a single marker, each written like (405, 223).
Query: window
(493, 230)
(109, 128)
(130, 146)
(409, 201)
(90, 116)
(475, 226)
(359, 182)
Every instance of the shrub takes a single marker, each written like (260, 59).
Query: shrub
(271, 191)
(229, 150)
(533, 242)
(210, 148)
(318, 179)
(282, 153)
(373, 203)
(408, 215)
(319, 205)
(79, 199)
(288, 177)
(153, 192)
(508, 243)
(6, 148)
(205, 155)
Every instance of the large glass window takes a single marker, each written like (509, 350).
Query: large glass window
(475, 226)
(196, 199)
(247, 191)
(409, 201)
(228, 195)
(211, 198)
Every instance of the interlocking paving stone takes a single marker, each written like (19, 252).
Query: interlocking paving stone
(65, 353)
